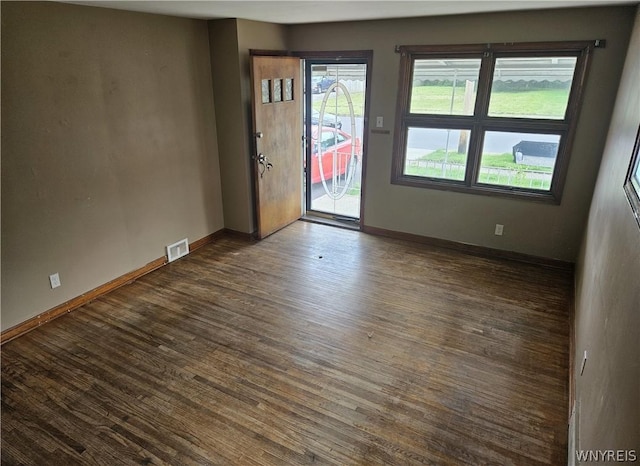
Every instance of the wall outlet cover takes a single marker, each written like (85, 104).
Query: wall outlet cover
(54, 280)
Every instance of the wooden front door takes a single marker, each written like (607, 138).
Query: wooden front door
(277, 124)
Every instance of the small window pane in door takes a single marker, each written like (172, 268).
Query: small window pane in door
(288, 89)
(277, 90)
(266, 91)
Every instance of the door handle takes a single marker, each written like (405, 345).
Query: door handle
(264, 163)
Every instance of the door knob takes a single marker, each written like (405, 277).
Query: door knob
(264, 163)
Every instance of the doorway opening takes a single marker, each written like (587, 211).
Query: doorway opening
(335, 125)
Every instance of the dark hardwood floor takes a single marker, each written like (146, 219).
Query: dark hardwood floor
(315, 346)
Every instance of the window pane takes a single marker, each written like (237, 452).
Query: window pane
(328, 139)
(436, 153)
(444, 86)
(288, 89)
(266, 91)
(277, 90)
(636, 175)
(521, 160)
(534, 87)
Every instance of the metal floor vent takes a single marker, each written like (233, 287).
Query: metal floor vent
(177, 250)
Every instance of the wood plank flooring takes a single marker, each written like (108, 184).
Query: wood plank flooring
(315, 346)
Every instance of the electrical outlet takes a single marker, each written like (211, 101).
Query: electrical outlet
(54, 280)
(379, 122)
(499, 229)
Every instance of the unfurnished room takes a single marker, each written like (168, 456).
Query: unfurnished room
(299, 232)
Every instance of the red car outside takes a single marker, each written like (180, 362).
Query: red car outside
(333, 143)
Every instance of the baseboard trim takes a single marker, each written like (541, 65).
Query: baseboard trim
(470, 248)
(197, 244)
(72, 304)
(240, 234)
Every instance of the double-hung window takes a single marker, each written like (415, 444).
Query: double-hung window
(489, 118)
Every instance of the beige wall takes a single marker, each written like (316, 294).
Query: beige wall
(109, 152)
(109, 148)
(608, 288)
(539, 229)
(235, 176)
(231, 40)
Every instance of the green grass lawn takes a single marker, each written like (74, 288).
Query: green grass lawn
(550, 103)
(519, 175)
(357, 99)
(504, 160)
(437, 100)
(537, 102)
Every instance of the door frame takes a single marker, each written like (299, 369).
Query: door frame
(347, 56)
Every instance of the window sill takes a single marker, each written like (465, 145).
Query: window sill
(545, 197)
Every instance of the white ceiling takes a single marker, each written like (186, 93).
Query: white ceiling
(311, 11)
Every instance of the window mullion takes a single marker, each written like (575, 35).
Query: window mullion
(482, 104)
(519, 124)
(440, 121)
(473, 158)
(484, 84)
